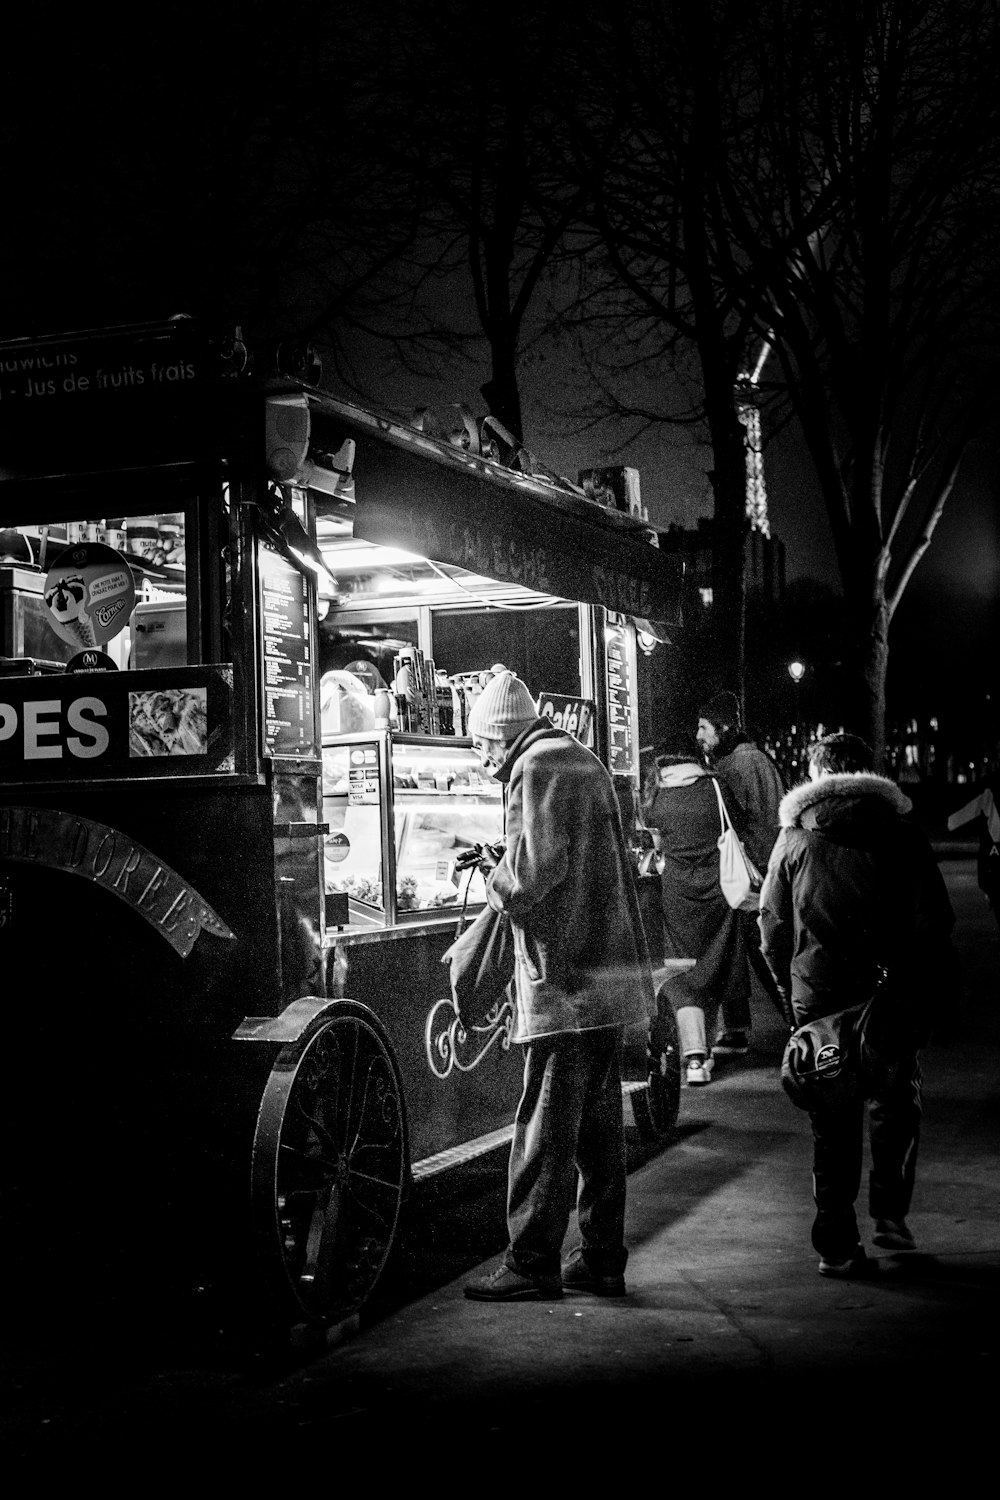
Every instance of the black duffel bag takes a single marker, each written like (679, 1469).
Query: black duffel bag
(850, 1055)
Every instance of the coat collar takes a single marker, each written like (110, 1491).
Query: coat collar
(544, 729)
(844, 787)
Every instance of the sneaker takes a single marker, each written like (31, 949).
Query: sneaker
(578, 1277)
(857, 1265)
(698, 1069)
(731, 1044)
(892, 1234)
(507, 1285)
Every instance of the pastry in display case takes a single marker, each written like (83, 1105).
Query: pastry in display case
(401, 810)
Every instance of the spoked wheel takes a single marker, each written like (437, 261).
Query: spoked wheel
(330, 1165)
(658, 1106)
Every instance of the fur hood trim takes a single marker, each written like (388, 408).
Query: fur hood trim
(845, 785)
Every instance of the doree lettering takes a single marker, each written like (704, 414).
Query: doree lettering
(49, 729)
(112, 860)
(94, 850)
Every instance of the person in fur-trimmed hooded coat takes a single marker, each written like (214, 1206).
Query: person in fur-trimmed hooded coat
(852, 885)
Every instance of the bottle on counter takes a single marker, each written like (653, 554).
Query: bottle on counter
(381, 709)
(457, 706)
(402, 686)
(415, 693)
(430, 687)
(445, 707)
(473, 688)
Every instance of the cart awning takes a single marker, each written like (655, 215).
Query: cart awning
(519, 531)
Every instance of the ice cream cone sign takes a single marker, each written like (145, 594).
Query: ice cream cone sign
(90, 594)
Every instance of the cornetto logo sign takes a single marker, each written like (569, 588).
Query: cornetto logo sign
(107, 614)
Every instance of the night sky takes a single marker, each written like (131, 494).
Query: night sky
(130, 188)
(945, 637)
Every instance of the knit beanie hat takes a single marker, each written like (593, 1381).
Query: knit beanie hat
(723, 708)
(503, 705)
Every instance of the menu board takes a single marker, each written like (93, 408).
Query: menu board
(289, 727)
(622, 747)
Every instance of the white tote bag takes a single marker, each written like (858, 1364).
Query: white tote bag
(738, 875)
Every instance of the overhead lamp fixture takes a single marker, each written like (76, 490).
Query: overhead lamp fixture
(300, 544)
(287, 532)
(362, 557)
(650, 633)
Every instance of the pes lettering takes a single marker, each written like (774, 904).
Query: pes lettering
(47, 729)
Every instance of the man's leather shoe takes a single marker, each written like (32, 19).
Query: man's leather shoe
(507, 1285)
(578, 1277)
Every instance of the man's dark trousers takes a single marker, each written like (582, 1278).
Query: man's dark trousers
(569, 1119)
(838, 1144)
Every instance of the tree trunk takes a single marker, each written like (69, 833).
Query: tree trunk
(866, 658)
(501, 392)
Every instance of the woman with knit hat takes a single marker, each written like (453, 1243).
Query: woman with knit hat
(581, 975)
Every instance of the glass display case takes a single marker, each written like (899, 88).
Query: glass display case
(400, 809)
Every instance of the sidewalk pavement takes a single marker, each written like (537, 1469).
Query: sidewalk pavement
(729, 1347)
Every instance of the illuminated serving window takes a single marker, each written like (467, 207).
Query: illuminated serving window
(407, 811)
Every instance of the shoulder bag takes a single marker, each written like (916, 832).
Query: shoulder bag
(738, 875)
(850, 1055)
(480, 961)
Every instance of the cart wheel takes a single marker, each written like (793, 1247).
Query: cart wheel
(330, 1166)
(657, 1107)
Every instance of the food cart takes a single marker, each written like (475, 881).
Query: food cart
(228, 876)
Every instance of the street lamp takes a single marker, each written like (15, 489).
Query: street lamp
(796, 670)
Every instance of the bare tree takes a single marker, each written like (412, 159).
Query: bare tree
(825, 179)
(458, 138)
(886, 146)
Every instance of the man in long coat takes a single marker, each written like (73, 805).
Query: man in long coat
(582, 975)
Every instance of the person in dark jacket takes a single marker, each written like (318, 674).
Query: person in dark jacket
(582, 974)
(853, 885)
(752, 787)
(681, 809)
